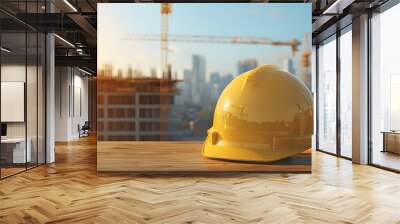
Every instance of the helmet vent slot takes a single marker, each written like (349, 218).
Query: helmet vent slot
(215, 138)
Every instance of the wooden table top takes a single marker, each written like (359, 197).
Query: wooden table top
(182, 157)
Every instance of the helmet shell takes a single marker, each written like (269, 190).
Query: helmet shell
(262, 115)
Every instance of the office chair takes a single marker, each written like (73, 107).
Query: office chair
(84, 130)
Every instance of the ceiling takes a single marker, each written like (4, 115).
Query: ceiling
(76, 21)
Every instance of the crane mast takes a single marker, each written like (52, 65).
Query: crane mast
(166, 9)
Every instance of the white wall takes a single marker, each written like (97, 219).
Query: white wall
(71, 87)
(15, 73)
(80, 104)
(62, 81)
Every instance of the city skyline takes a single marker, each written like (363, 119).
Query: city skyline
(130, 72)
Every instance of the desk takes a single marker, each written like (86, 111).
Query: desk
(391, 141)
(16, 148)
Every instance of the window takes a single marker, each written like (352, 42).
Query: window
(314, 89)
(346, 94)
(385, 89)
(327, 96)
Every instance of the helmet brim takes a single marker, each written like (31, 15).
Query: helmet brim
(245, 154)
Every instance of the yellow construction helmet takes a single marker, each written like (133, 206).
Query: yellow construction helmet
(262, 115)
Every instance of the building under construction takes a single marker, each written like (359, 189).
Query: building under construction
(135, 108)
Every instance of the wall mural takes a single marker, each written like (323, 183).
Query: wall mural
(163, 69)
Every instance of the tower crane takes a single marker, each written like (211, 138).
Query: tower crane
(165, 38)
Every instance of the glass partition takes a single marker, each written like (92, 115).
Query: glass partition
(31, 97)
(14, 153)
(41, 96)
(22, 92)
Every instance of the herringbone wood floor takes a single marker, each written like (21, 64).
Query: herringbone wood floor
(69, 191)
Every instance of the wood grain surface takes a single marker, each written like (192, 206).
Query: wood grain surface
(182, 157)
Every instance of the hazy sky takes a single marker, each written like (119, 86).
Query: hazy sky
(280, 22)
